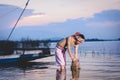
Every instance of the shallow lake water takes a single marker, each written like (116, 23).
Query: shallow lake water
(98, 61)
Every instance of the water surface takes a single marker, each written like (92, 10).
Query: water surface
(98, 61)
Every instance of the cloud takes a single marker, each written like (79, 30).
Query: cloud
(61, 18)
(10, 14)
(7, 14)
(104, 24)
(109, 18)
(32, 20)
(62, 10)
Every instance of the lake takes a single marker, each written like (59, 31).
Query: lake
(98, 60)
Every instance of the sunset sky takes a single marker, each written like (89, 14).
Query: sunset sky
(51, 19)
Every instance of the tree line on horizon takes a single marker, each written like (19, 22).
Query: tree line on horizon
(8, 47)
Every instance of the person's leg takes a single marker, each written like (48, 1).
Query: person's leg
(62, 67)
(60, 58)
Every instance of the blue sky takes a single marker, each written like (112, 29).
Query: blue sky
(45, 19)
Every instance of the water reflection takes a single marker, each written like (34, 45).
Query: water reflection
(24, 71)
(60, 75)
(99, 61)
(75, 69)
(75, 74)
(26, 65)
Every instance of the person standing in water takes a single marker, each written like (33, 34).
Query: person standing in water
(67, 43)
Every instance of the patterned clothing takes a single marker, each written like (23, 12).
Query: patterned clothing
(60, 56)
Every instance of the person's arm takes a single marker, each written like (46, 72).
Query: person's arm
(69, 49)
(76, 51)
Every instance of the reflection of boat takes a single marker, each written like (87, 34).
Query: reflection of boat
(22, 57)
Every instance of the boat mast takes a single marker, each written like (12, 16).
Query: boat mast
(18, 20)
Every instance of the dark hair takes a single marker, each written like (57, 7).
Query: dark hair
(78, 34)
(82, 36)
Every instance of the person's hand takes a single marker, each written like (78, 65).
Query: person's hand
(74, 59)
(77, 59)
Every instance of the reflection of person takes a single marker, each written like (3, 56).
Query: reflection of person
(75, 69)
(60, 75)
(68, 42)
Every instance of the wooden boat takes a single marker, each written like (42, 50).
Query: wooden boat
(22, 57)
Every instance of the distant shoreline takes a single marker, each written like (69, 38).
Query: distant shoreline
(88, 40)
(57, 40)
